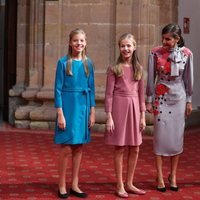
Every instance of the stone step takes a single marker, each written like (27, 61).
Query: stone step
(44, 117)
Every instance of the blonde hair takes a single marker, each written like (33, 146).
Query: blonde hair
(83, 53)
(137, 68)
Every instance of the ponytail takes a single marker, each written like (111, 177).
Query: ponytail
(181, 41)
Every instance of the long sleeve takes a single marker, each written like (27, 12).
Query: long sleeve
(151, 78)
(59, 80)
(110, 83)
(92, 85)
(188, 78)
(141, 95)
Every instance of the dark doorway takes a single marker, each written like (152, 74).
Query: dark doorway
(8, 27)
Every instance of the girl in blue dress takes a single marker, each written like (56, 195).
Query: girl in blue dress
(75, 102)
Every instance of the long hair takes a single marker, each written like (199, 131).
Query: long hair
(83, 53)
(137, 68)
(175, 31)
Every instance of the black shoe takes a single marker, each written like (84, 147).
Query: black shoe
(161, 189)
(172, 188)
(175, 189)
(62, 196)
(78, 194)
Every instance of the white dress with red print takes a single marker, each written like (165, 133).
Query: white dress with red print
(169, 87)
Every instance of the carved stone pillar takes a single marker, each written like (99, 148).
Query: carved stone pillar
(35, 49)
(15, 99)
(44, 116)
(29, 59)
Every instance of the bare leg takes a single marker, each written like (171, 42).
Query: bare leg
(174, 165)
(62, 166)
(77, 151)
(118, 162)
(131, 165)
(159, 163)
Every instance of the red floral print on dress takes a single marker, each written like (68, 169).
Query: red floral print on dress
(160, 63)
(156, 103)
(167, 67)
(161, 89)
(163, 65)
(155, 112)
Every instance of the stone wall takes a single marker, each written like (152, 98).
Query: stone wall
(42, 37)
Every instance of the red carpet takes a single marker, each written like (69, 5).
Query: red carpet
(28, 168)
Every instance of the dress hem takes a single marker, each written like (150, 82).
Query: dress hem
(158, 154)
(123, 144)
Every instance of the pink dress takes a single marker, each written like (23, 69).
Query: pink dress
(124, 98)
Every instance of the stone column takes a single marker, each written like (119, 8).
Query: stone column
(44, 116)
(15, 99)
(31, 73)
(22, 48)
(35, 49)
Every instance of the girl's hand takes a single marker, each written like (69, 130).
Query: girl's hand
(188, 109)
(149, 107)
(109, 123)
(92, 119)
(61, 121)
(142, 122)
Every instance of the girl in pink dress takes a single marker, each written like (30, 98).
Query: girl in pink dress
(125, 112)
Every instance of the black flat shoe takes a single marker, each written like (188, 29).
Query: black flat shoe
(62, 196)
(78, 194)
(161, 189)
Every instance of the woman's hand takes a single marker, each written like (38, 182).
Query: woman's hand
(109, 123)
(92, 118)
(188, 109)
(149, 107)
(142, 121)
(61, 119)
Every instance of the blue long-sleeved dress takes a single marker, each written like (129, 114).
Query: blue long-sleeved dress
(75, 95)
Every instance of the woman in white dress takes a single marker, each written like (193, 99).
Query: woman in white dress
(169, 91)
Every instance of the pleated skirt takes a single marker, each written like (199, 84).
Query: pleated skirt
(126, 117)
